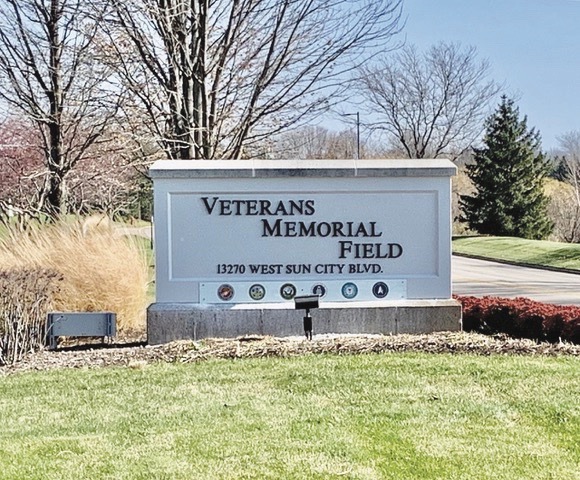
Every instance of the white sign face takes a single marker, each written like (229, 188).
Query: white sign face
(318, 236)
(270, 239)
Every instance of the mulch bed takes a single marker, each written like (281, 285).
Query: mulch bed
(94, 356)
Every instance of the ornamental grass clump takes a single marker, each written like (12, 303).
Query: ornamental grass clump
(100, 270)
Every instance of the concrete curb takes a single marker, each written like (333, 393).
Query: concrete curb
(518, 264)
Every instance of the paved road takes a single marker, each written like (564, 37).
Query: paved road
(479, 278)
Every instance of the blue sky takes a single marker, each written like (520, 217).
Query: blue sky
(533, 47)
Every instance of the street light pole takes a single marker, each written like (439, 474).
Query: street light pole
(357, 136)
(357, 132)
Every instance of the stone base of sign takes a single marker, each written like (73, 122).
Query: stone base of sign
(167, 322)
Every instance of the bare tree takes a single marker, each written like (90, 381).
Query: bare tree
(47, 74)
(21, 171)
(565, 201)
(570, 150)
(429, 104)
(216, 77)
(315, 142)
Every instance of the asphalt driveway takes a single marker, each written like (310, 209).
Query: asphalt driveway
(479, 278)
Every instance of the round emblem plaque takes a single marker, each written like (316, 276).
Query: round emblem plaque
(380, 290)
(349, 290)
(319, 290)
(288, 291)
(226, 292)
(257, 292)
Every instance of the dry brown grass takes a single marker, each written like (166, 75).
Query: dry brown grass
(101, 271)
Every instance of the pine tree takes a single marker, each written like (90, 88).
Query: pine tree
(508, 174)
(560, 169)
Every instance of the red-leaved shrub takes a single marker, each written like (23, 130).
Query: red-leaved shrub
(521, 318)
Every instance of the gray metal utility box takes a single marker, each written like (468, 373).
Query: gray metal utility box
(80, 324)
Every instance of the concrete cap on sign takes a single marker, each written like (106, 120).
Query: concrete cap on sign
(302, 168)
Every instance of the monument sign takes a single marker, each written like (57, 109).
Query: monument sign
(249, 236)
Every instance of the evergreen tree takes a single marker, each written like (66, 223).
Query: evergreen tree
(560, 169)
(508, 174)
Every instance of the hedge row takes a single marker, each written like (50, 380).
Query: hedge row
(521, 318)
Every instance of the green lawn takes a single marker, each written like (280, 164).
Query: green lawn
(389, 416)
(531, 252)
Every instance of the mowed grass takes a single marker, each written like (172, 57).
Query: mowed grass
(389, 416)
(530, 252)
